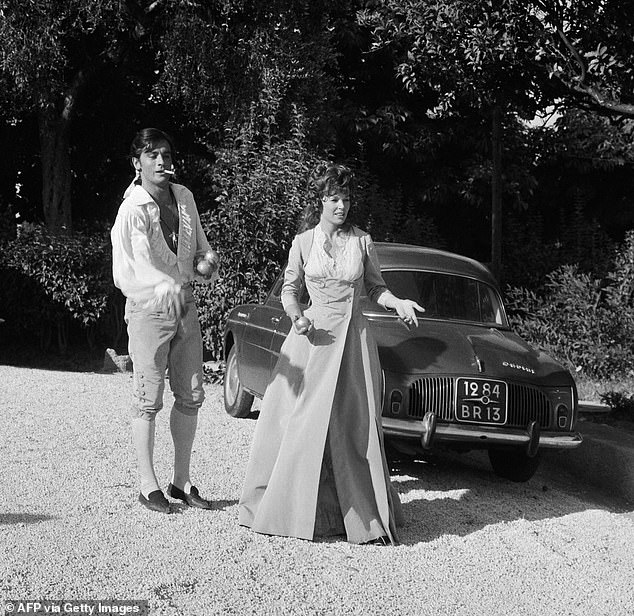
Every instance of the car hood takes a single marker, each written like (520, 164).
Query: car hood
(438, 347)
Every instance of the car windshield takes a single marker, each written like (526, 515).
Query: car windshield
(448, 297)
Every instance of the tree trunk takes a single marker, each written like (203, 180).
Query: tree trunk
(496, 193)
(56, 170)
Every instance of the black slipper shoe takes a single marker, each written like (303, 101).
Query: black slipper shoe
(193, 499)
(155, 501)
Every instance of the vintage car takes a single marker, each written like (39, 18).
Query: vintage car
(462, 379)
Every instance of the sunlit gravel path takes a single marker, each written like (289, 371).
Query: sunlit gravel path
(71, 528)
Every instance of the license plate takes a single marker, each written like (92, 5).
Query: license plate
(481, 401)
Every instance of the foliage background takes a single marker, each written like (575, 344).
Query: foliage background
(256, 93)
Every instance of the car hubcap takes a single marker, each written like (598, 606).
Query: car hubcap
(232, 380)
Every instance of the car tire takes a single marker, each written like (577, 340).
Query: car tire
(238, 402)
(513, 464)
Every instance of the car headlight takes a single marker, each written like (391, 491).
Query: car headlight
(396, 399)
(562, 399)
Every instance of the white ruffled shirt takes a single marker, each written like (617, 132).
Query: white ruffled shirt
(342, 260)
(142, 263)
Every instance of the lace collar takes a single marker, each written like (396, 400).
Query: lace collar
(333, 255)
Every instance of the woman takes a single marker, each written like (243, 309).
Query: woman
(157, 241)
(317, 464)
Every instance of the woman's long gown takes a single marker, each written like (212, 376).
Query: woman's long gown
(317, 464)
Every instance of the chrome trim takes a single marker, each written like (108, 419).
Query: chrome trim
(383, 390)
(478, 435)
(257, 394)
(588, 406)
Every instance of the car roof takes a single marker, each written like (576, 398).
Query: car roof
(408, 256)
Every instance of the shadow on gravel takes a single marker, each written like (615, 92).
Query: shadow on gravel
(23, 518)
(458, 494)
(216, 505)
(29, 356)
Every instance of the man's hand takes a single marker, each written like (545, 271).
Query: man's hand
(170, 298)
(206, 264)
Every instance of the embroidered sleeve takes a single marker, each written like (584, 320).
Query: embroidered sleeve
(293, 277)
(374, 284)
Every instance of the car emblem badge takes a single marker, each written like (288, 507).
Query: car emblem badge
(506, 364)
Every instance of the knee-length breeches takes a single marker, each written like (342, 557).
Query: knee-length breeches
(159, 342)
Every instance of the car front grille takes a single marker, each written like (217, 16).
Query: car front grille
(528, 404)
(436, 394)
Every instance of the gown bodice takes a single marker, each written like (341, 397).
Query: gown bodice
(334, 273)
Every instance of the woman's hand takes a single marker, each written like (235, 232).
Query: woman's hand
(303, 326)
(406, 310)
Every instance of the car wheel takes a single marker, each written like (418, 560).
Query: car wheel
(513, 465)
(237, 401)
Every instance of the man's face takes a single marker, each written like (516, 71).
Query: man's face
(153, 163)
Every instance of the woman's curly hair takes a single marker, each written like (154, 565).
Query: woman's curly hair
(326, 179)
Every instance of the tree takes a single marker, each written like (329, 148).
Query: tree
(534, 52)
(506, 57)
(220, 58)
(49, 52)
(586, 49)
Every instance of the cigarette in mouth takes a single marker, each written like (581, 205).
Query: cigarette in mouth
(168, 171)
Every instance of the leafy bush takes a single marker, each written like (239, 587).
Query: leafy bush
(261, 187)
(50, 283)
(621, 404)
(585, 322)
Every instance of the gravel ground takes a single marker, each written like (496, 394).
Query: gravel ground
(70, 526)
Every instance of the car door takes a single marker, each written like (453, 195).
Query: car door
(256, 359)
(284, 324)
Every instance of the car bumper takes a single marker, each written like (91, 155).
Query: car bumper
(478, 436)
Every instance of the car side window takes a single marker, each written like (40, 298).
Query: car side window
(447, 296)
(276, 290)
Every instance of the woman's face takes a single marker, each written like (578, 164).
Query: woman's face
(153, 163)
(335, 207)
